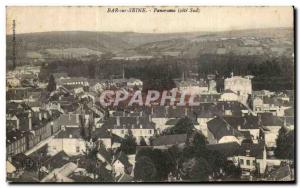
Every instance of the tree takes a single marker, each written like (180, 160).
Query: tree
(128, 144)
(161, 159)
(144, 169)
(51, 84)
(143, 142)
(183, 126)
(195, 169)
(231, 170)
(285, 144)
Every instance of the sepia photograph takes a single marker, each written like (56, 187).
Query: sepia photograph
(150, 94)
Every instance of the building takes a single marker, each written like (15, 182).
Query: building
(132, 82)
(251, 158)
(192, 87)
(229, 95)
(16, 142)
(272, 125)
(283, 173)
(68, 140)
(121, 164)
(242, 86)
(72, 81)
(138, 126)
(220, 131)
(167, 141)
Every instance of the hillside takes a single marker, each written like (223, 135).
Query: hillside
(82, 44)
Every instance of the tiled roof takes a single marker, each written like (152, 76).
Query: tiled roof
(280, 173)
(268, 119)
(252, 150)
(226, 149)
(220, 128)
(14, 135)
(129, 123)
(170, 140)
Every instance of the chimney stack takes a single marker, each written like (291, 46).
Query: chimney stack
(77, 118)
(186, 111)
(137, 120)
(40, 116)
(30, 121)
(118, 120)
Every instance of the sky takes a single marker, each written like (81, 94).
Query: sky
(71, 18)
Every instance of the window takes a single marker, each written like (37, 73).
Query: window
(150, 131)
(248, 162)
(77, 149)
(241, 161)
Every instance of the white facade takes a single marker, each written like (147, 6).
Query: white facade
(240, 85)
(71, 146)
(227, 96)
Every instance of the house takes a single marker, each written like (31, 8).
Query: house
(269, 105)
(16, 142)
(220, 131)
(229, 95)
(132, 82)
(102, 135)
(138, 126)
(251, 158)
(23, 162)
(105, 156)
(242, 86)
(203, 113)
(68, 120)
(167, 141)
(228, 149)
(121, 164)
(72, 81)
(247, 124)
(271, 124)
(192, 87)
(61, 174)
(166, 116)
(12, 122)
(56, 161)
(68, 140)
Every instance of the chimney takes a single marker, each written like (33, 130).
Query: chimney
(30, 121)
(150, 118)
(46, 115)
(40, 116)
(166, 111)
(77, 118)
(18, 124)
(69, 116)
(247, 152)
(185, 111)
(137, 120)
(118, 120)
(259, 120)
(152, 111)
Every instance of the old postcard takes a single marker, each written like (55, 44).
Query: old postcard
(150, 94)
